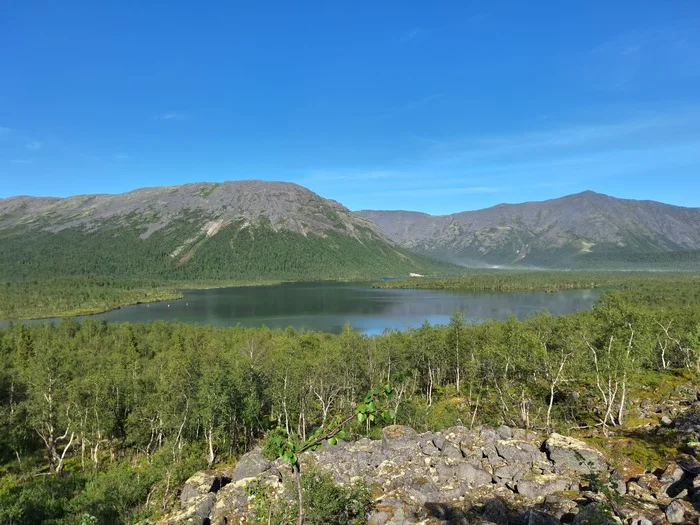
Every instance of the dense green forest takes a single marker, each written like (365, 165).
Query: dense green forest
(101, 423)
(182, 252)
(664, 283)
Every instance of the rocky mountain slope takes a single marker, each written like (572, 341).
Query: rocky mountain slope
(585, 229)
(244, 229)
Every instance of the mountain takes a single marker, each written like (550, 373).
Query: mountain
(585, 230)
(245, 230)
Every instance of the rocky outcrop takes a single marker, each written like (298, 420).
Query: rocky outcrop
(484, 475)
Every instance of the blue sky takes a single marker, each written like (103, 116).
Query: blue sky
(431, 106)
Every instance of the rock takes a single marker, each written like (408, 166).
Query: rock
(572, 454)
(439, 441)
(250, 465)
(534, 517)
(505, 432)
(539, 486)
(195, 512)
(520, 452)
(399, 438)
(640, 520)
(666, 421)
(446, 513)
(671, 474)
(495, 511)
(203, 483)
(231, 505)
(392, 511)
(451, 451)
(506, 473)
(675, 512)
(473, 476)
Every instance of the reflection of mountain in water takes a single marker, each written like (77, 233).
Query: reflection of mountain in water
(329, 306)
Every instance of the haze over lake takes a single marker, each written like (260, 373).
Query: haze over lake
(329, 306)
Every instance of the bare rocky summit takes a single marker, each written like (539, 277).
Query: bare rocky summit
(287, 206)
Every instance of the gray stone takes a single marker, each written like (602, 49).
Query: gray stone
(451, 451)
(250, 465)
(439, 441)
(534, 517)
(666, 421)
(473, 476)
(195, 512)
(519, 452)
(572, 454)
(539, 486)
(640, 520)
(495, 511)
(398, 438)
(675, 512)
(505, 432)
(203, 483)
(509, 473)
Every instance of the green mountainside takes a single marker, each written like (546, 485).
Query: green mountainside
(237, 231)
(582, 231)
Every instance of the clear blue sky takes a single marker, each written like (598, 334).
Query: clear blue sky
(431, 106)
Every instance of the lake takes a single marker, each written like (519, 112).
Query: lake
(328, 306)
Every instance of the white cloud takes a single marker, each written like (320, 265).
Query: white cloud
(410, 35)
(172, 115)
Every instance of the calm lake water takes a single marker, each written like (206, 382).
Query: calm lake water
(329, 306)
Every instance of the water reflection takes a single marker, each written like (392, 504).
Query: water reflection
(329, 306)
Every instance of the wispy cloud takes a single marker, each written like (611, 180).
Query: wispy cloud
(411, 34)
(21, 161)
(33, 145)
(628, 58)
(172, 116)
(121, 156)
(439, 192)
(559, 157)
(350, 174)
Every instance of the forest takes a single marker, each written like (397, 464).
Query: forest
(101, 423)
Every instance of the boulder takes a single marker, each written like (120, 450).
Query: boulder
(195, 511)
(535, 517)
(568, 453)
(539, 486)
(398, 438)
(250, 465)
(472, 476)
(495, 511)
(675, 512)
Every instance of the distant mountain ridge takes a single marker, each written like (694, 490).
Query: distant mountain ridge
(586, 229)
(234, 230)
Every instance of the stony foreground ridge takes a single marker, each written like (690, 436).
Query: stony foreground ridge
(459, 476)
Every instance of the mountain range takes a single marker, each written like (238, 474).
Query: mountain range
(243, 230)
(255, 230)
(584, 230)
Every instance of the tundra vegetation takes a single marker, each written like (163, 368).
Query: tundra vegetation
(102, 423)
